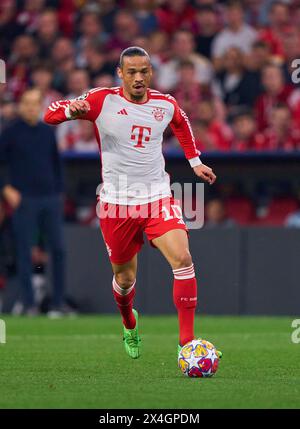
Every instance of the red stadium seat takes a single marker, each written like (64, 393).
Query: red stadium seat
(240, 209)
(278, 210)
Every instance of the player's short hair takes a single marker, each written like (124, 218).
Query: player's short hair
(132, 51)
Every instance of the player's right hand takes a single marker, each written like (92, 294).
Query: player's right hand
(79, 107)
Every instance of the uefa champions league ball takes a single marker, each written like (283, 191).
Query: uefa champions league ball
(198, 358)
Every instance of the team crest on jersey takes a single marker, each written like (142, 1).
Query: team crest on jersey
(158, 113)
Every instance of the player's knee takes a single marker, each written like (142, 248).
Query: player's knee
(125, 280)
(183, 260)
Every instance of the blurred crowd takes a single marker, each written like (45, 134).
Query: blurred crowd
(231, 65)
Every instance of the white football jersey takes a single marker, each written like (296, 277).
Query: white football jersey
(130, 137)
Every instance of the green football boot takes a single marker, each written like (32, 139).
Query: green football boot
(132, 341)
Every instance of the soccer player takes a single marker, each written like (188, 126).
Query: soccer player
(129, 122)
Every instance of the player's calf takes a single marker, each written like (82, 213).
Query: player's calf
(185, 300)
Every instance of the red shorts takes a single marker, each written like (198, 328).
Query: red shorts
(123, 226)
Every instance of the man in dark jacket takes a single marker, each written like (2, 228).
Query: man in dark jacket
(33, 190)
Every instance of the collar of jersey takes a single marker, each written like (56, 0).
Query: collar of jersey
(134, 102)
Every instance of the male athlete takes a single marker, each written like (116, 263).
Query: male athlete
(129, 122)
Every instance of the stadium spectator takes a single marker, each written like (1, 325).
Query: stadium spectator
(207, 29)
(103, 81)
(33, 33)
(159, 48)
(23, 54)
(91, 32)
(144, 13)
(108, 10)
(291, 47)
(216, 216)
(42, 78)
(256, 12)
(211, 133)
(275, 91)
(293, 219)
(78, 83)
(281, 134)
(237, 33)
(176, 14)
(183, 48)
(7, 113)
(236, 85)
(33, 190)
(95, 60)
(9, 27)
(86, 141)
(188, 91)
(258, 58)
(244, 132)
(63, 56)
(279, 19)
(28, 17)
(47, 32)
(126, 28)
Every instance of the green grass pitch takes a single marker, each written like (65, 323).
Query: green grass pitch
(81, 363)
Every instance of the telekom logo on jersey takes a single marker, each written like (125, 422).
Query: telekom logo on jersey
(140, 134)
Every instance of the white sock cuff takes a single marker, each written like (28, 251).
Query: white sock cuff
(120, 290)
(184, 273)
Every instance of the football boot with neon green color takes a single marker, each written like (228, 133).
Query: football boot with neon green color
(132, 341)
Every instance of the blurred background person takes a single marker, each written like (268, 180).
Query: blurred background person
(144, 12)
(47, 31)
(235, 84)
(78, 83)
(236, 33)
(207, 29)
(63, 56)
(34, 192)
(188, 90)
(293, 219)
(174, 15)
(86, 141)
(281, 134)
(279, 20)
(42, 79)
(91, 31)
(183, 49)
(216, 216)
(211, 132)
(245, 136)
(275, 91)
(95, 60)
(126, 28)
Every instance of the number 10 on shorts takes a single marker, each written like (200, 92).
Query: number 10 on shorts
(176, 212)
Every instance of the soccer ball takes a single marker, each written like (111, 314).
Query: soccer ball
(198, 358)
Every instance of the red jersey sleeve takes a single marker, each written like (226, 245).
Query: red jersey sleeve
(58, 111)
(182, 129)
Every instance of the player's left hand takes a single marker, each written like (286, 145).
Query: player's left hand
(205, 173)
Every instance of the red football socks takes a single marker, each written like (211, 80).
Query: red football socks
(185, 300)
(124, 300)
